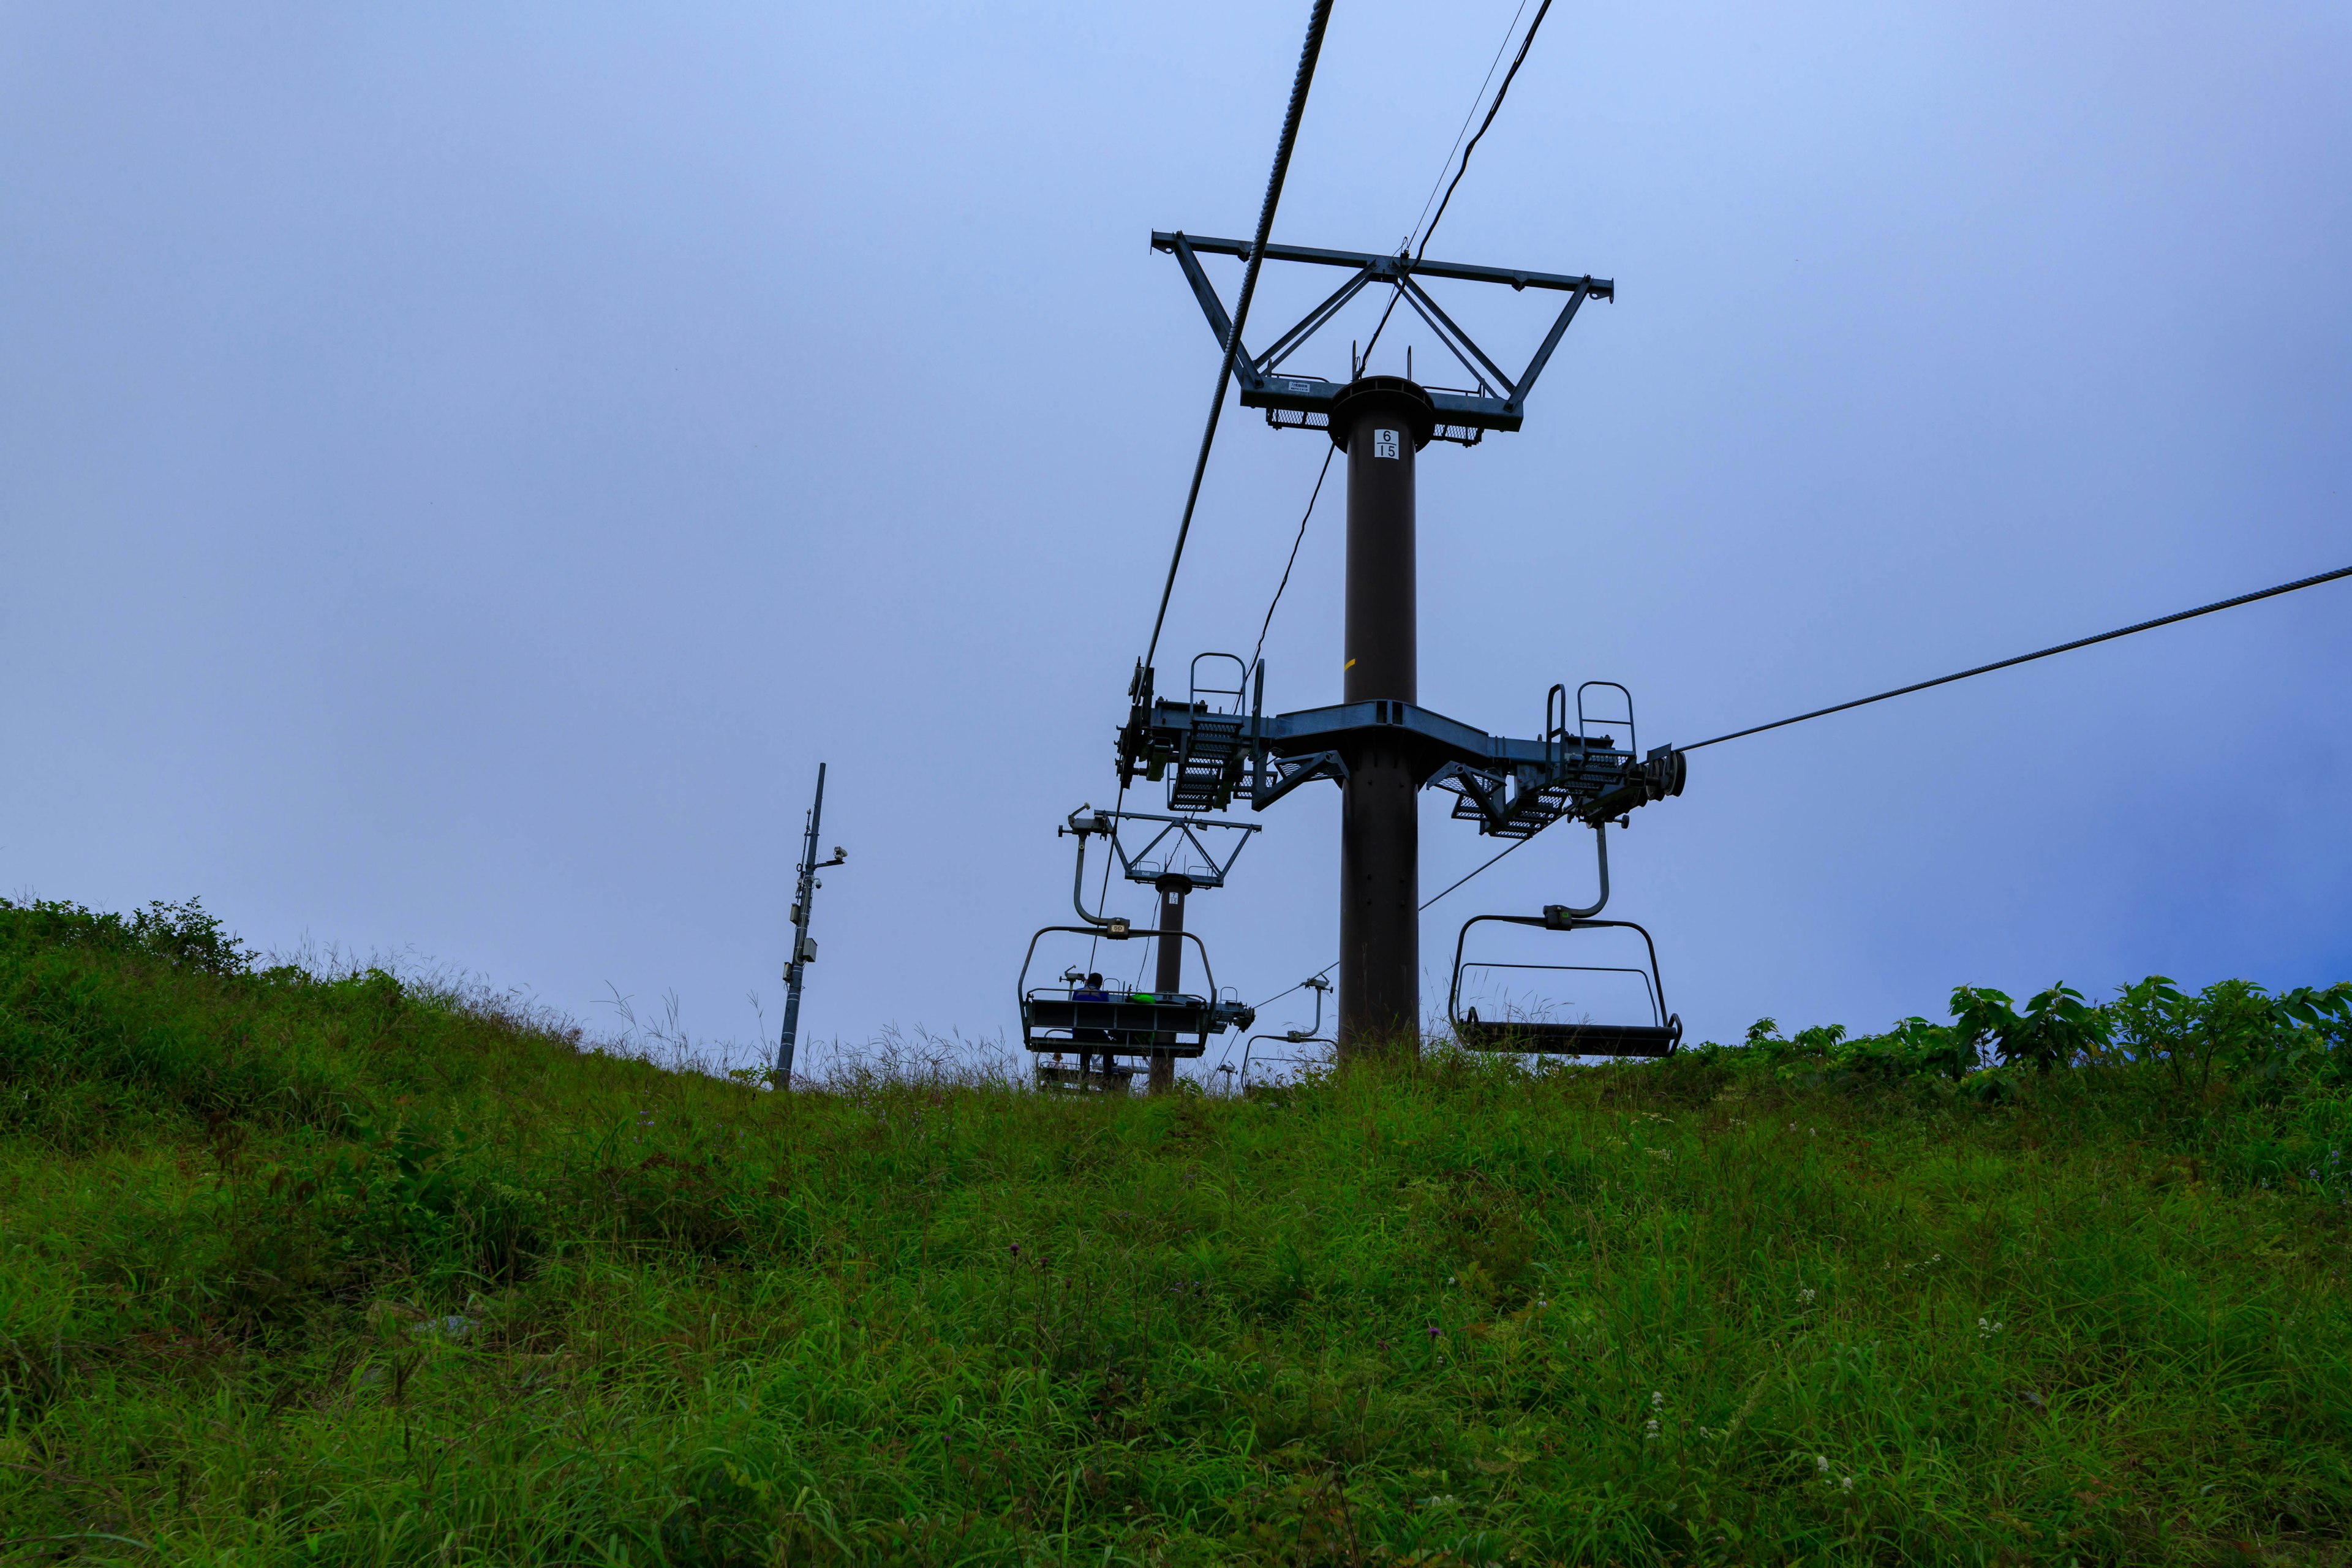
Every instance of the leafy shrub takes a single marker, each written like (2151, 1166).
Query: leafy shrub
(2231, 1033)
(184, 935)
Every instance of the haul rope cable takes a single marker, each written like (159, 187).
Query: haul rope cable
(2299, 583)
(2030, 657)
(1298, 86)
(1300, 82)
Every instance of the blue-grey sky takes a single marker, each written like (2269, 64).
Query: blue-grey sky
(461, 468)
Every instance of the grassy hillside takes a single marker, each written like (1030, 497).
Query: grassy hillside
(303, 1269)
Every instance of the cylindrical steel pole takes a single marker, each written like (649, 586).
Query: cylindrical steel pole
(1380, 422)
(1169, 980)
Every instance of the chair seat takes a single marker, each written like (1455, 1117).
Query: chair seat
(1055, 1021)
(1569, 1039)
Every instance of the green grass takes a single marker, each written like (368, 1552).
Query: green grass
(339, 1270)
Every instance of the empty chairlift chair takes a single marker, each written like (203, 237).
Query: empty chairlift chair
(1657, 1035)
(1311, 1035)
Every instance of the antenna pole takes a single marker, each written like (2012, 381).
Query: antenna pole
(796, 964)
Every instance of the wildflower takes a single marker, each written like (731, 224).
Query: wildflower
(1657, 1400)
(1016, 1249)
(1821, 1464)
(1449, 1279)
(1653, 1428)
(1433, 1331)
(1847, 1485)
(1806, 1294)
(1986, 1328)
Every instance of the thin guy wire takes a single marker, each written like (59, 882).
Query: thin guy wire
(1298, 86)
(1425, 903)
(1500, 93)
(2030, 657)
(1492, 110)
(1286, 565)
(1399, 292)
(1472, 113)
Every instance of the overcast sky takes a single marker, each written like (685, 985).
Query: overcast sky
(461, 468)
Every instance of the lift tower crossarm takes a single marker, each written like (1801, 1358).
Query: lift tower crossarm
(1461, 415)
(1392, 267)
(1510, 787)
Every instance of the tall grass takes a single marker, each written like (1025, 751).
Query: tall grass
(334, 1269)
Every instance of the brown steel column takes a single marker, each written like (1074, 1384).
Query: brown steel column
(1170, 978)
(1380, 422)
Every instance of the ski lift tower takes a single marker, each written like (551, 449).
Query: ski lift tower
(1379, 745)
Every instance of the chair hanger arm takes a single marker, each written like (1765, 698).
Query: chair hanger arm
(1559, 915)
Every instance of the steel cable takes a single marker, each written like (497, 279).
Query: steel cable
(2030, 657)
(1470, 114)
(1424, 905)
(1298, 87)
(1267, 624)
(2299, 583)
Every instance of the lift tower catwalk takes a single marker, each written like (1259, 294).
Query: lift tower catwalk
(1379, 744)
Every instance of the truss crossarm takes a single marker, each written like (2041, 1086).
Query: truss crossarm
(1244, 368)
(1313, 321)
(1307, 402)
(1390, 267)
(1518, 398)
(1453, 337)
(1208, 870)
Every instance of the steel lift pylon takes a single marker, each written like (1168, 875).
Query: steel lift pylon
(1377, 743)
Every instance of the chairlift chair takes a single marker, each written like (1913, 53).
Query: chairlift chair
(1071, 1018)
(1311, 1035)
(1658, 1038)
(1122, 1020)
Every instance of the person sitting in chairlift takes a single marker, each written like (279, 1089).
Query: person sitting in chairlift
(1090, 990)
